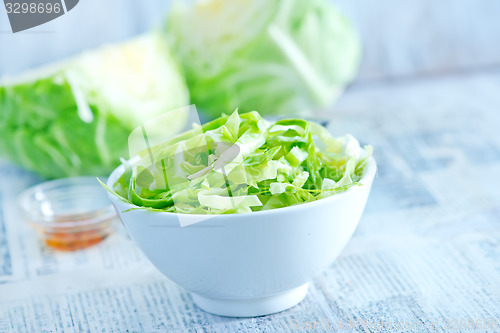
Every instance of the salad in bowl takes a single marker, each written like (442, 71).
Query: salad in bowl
(244, 212)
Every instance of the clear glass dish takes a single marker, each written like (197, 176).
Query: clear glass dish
(69, 214)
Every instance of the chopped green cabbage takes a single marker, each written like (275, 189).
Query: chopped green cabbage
(286, 57)
(74, 118)
(243, 163)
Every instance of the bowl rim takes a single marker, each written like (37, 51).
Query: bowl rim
(366, 180)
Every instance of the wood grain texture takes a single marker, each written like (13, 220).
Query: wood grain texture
(414, 37)
(425, 256)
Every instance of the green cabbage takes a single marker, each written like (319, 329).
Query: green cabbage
(286, 57)
(242, 163)
(74, 118)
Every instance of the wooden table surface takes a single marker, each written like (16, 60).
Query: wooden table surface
(426, 252)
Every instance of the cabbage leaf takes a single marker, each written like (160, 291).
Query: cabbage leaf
(74, 118)
(282, 57)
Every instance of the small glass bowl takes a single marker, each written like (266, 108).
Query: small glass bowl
(69, 214)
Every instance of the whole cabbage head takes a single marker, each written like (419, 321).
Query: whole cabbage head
(281, 57)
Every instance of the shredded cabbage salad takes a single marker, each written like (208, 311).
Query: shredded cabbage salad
(242, 163)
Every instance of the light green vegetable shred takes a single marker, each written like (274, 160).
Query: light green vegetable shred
(243, 163)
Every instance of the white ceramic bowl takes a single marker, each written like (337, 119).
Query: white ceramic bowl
(245, 265)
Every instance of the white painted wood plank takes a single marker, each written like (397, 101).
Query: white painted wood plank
(414, 37)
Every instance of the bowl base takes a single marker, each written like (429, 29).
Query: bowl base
(251, 307)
